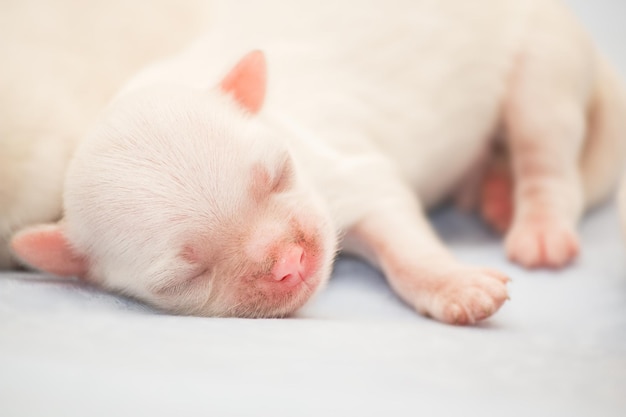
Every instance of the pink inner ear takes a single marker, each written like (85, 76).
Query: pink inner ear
(247, 81)
(45, 248)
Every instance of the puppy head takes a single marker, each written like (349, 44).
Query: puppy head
(180, 198)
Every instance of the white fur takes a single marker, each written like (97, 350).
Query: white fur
(372, 100)
(388, 87)
(62, 62)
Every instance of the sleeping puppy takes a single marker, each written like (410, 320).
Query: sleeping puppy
(223, 180)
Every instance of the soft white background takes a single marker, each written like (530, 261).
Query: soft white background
(558, 348)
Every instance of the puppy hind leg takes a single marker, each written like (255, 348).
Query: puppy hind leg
(548, 191)
(546, 116)
(602, 158)
(546, 124)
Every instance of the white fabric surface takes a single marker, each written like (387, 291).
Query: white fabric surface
(558, 348)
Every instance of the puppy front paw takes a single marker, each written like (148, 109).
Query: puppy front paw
(463, 295)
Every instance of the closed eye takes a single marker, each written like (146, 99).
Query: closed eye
(179, 286)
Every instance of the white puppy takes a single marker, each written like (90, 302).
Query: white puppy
(222, 181)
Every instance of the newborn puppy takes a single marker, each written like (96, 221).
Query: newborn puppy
(223, 180)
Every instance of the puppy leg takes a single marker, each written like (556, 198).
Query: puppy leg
(601, 161)
(546, 123)
(397, 238)
(548, 194)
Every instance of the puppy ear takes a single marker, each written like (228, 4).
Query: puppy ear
(247, 81)
(46, 248)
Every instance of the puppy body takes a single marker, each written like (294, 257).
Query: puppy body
(373, 113)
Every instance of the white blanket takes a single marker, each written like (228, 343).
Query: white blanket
(557, 348)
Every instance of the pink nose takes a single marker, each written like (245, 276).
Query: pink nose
(290, 265)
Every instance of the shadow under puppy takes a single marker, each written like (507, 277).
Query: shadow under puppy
(222, 181)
